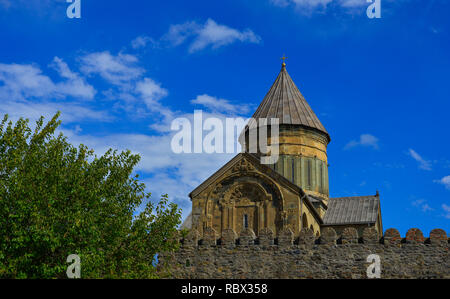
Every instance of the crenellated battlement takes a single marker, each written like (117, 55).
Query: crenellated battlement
(248, 255)
(349, 235)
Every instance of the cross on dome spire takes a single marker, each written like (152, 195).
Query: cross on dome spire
(284, 60)
(285, 102)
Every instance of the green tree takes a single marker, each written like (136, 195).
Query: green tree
(57, 200)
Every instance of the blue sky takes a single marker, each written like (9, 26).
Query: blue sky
(125, 70)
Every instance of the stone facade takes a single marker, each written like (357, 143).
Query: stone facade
(329, 256)
(246, 194)
(293, 192)
(302, 159)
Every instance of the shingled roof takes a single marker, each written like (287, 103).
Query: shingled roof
(352, 210)
(285, 102)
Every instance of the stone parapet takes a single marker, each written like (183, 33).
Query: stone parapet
(328, 256)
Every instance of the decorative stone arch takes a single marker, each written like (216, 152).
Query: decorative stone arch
(237, 190)
(244, 169)
(215, 192)
(244, 205)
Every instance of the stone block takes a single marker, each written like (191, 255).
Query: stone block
(286, 237)
(265, 237)
(370, 236)
(438, 237)
(349, 236)
(247, 237)
(306, 237)
(228, 238)
(414, 236)
(209, 237)
(392, 237)
(328, 236)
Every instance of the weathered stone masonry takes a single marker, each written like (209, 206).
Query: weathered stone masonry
(330, 256)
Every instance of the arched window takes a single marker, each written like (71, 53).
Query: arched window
(245, 221)
(321, 177)
(309, 169)
(304, 221)
(293, 170)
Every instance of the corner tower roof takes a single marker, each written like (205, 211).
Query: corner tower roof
(285, 102)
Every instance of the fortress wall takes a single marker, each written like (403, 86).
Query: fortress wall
(329, 256)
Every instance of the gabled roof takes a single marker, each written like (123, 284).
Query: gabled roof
(187, 223)
(352, 210)
(317, 201)
(285, 102)
(254, 160)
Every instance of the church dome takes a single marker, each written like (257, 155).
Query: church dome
(285, 102)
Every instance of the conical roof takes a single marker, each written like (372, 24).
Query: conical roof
(285, 102)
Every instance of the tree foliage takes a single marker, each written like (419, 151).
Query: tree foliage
(57, 200)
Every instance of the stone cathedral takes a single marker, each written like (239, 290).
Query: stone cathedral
(291, 193)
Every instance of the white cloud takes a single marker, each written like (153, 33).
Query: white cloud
(165, 171)
(25, 91)
(70, 112)
(21, 81)
(28, 93)
(309, 4)
(150, 91)
(179, 33)
(219, 105)
(142, 41)
(24, 81)
(215, 35)
(422, 205)
(63, 69)
(75, 86)
(423, 164)
(444, 181)
(116, 69)
(301, 3)
(206, 35)
(425, 208)
(353, 3)
(130, 91)
(32, 3)
(366, 140)
(446, 209)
